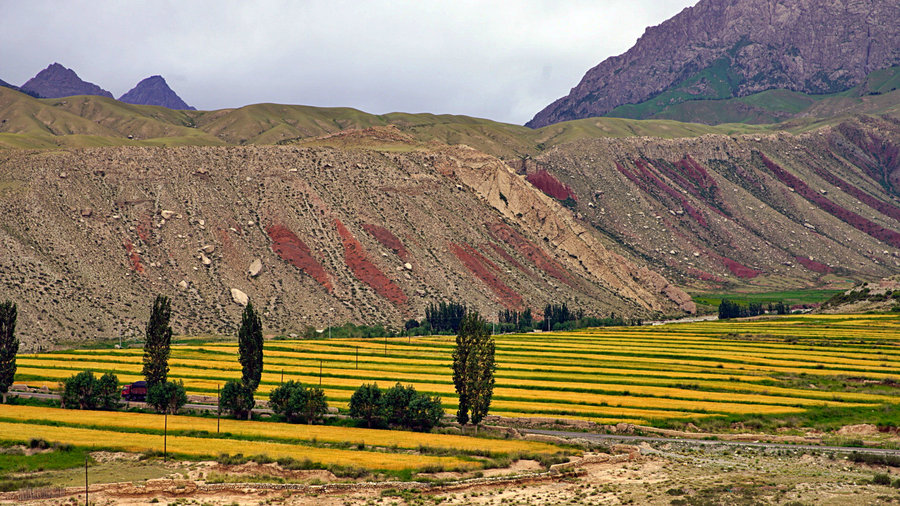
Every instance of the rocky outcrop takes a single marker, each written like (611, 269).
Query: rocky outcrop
(155, 91)
(57, 81)
(725, 48)
(541, 216)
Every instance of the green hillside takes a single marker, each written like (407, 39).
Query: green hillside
(85, 121)
(702, 99)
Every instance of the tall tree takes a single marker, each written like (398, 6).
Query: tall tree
(158, 342)
(473, 369)
(9, 346)
(250, 347)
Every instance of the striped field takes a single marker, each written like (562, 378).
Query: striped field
(634, 374)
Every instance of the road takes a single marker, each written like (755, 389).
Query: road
(590, 436)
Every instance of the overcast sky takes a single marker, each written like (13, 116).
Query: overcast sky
(503, 60)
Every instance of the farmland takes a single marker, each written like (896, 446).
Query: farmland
(798, 372)
(644, 375)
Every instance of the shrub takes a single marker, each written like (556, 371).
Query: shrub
(366, 404)
(403, 406)
(167, 397)
(237, 399)
(84, 391)
(881, 479)
(298, 403)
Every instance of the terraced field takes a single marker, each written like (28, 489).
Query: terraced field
(646, 375)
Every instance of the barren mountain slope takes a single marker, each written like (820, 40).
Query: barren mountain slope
(776, 210)
(90, 236)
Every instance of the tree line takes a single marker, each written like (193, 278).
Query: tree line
(400, 406)
(732, 309)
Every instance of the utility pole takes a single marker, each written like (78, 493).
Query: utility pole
(218, 407)
(282, 376)
(85, 481)
(357, 357)
(320, 372)
(165, 435)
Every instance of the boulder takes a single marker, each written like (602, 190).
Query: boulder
(209, 248)
(166, 214)
(205, 259)
(239, 297)
(255, 268)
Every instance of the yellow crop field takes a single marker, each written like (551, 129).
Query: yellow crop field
(139, 442)
(273, 430)
(682, 371)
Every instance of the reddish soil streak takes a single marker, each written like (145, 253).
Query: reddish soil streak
(884, 208)
(506, 256)
(524, 247)
(387, 239)
(294, 251)
(705, 276)
(547, 183)
(143, 228)
(645, 179)
(478, 265)
(133, 256)
(813, 265)
(856, 221)
(365, 270)
(739, 270)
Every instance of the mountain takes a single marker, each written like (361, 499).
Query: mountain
(342, 234)
(154, 91)
(57, 81)
(604, 203)
(722, 49)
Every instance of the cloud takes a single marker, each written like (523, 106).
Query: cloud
(503, 60)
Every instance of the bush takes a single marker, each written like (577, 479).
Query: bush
(399, 405)
(298, 403)
(366, 404)
(84, 391)
(167, 397)
(881, 479)
(237, 399)
(425, 412)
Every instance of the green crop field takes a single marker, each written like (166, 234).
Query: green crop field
(730, 370)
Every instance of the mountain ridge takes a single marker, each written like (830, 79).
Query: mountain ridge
(733, 48)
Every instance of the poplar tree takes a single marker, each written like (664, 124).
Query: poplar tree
(250, 347)
(157, 343)
(473, 369)
(9, 346)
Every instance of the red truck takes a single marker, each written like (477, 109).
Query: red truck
(136, 391)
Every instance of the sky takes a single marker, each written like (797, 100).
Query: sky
(504, 60)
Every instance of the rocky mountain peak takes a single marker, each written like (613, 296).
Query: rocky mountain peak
(58, 81)
(155, 91)
(732, 48)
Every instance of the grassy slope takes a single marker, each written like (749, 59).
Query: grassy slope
(87, 121)
(712, 102)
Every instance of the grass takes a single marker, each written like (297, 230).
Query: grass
(792, 297)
